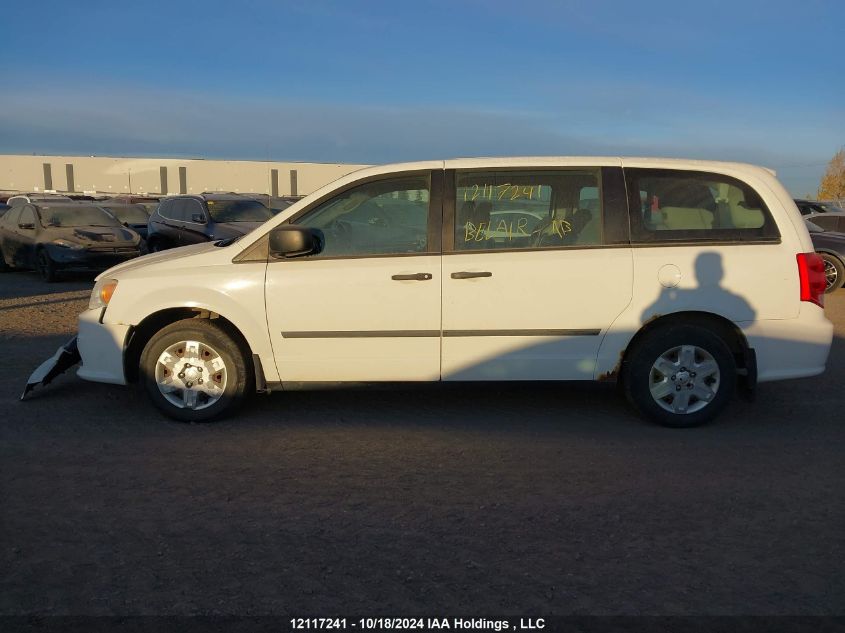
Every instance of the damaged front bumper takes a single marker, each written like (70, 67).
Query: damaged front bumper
(99, 346)
(65, 357)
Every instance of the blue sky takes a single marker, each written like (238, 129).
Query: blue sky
(370, 82)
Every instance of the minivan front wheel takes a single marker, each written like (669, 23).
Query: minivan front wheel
(680, 376)
(194, 371)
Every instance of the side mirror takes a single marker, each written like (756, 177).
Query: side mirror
(199, 218)
(294, 241)
(29, 226)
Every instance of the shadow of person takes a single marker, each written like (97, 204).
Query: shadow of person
(708, 296)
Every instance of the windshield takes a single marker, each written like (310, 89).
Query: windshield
(76, 216)
(130, 213)
(829, 208)
(238, 211)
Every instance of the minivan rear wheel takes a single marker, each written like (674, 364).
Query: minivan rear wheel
(194, 371)
(834, 272)
(680, 376)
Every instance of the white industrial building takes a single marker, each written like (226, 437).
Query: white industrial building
(111, 175)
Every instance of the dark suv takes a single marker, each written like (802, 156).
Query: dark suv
(183, 220)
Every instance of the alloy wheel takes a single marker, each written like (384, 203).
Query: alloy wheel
(684, 379)
(831, 274)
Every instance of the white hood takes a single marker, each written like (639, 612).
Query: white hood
(157, 258)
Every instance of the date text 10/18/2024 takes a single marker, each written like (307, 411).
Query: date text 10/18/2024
(419, 624)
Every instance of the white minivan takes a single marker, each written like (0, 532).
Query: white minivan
(680, 280)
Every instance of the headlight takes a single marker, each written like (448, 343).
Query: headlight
(68, 244)
(102, 293)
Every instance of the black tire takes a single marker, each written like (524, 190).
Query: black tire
(45, 266)
(639, 375)
(240, 379)
(155, 245)
(834, 271)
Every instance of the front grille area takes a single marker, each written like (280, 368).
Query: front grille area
(112, 250)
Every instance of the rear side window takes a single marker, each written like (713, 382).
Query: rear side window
(505, 210)
(683, 206)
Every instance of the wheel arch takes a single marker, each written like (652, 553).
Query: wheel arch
(140, 334)
(832, 253)
(726, 329)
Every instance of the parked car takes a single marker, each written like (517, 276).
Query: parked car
(823, 214)
(149, 202)
(184, 220)
(135, 216)
(830, 245)
(64, 236)
(24, 198)
(686, 281)
(3, 208)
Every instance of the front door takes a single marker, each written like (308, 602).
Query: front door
(535, 269)
(168, 227)
(367, 308)
(193, 229)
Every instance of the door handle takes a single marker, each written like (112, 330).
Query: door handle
(466, 274)
(412, 277)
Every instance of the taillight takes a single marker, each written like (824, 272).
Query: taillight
(811, 274)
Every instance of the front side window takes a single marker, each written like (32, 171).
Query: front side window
(502, 210)
(675, 205)
(384, 217)
(27, 216)
(194, 212)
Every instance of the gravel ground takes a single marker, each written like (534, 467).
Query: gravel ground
(547, 499)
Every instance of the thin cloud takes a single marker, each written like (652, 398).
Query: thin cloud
(127, 121)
